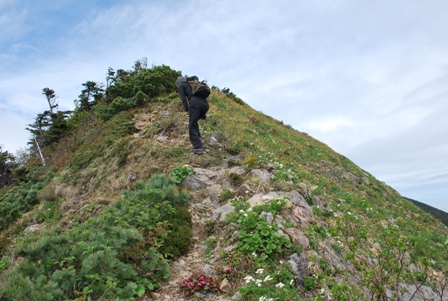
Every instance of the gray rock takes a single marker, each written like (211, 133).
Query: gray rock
(268, 216)
(298, 237)
(193, 183)
(237, 296)
(296, 198)
(263, 175)
(221, 212)
(33, 228)
(213, 140)
(209, 271)
(200, 179)
(299, 265)
(244, 190)
(214, 192)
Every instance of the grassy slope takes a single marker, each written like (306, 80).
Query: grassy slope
(355, 207)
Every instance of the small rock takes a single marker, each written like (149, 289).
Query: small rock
(268, 216)
(222, 212)
(298, 237)
(33, 228)
(225, 285)
(270, 167)
(209, 271)
(263, 175)
(237, 296)
(299, 265)
(244, 190)
(213, 141)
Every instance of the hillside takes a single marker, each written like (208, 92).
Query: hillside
(439, 214)
(124, 211)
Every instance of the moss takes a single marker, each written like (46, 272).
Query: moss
(178, 238)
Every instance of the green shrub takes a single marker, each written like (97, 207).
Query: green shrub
(225, 194)
(116, 255)
(256, 235)
(22, 198)
(180, 172)
(152, 83)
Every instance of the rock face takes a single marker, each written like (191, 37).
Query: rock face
(209, 205)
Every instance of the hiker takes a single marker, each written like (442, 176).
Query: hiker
(196, 107)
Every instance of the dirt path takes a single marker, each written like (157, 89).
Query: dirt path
(193, 261)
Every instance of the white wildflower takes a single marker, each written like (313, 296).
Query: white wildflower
(279, 285)
(267, 278)
(259, 271)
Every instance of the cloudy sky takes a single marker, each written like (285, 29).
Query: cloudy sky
(367, 78)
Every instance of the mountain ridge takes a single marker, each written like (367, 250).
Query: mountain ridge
(437, 213)
(321, 227)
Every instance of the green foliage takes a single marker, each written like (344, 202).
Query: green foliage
(178, 238)
(231, 95)
(120, 104)
(180, 172)
(49, 212)
(256, 235)
(310, 283)
(4, 263)
(132, 89)
(225, 194)
(236, 179)
(365, 226)
(99, 148)
(21, 199)
(7, 166)
(118, 254)
(265, 285)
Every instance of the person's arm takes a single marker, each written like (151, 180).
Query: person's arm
(184, 96)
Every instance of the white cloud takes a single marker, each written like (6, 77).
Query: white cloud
(366, 78)
(329, 125)
(12, 135)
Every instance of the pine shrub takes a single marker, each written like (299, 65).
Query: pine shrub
(118, 254)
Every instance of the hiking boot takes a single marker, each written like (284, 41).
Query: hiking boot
(198, 151)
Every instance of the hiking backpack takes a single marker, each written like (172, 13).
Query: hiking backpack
(199, 88)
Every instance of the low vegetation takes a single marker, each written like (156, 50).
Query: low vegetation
(112, 216)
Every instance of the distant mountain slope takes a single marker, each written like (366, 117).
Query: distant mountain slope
(437, 213)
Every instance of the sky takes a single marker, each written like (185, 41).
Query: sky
(367, 78)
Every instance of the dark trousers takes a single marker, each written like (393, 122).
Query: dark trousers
(198, 108)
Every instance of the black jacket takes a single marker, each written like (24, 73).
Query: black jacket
(185, 94)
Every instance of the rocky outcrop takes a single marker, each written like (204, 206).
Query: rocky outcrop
(209, 206)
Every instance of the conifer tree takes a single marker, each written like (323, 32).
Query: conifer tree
(89, 96)
(7, 165)
(51, 98)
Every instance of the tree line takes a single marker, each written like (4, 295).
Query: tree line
(123, 90)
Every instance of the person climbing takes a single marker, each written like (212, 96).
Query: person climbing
(196, 108)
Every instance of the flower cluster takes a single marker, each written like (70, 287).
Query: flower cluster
(199, 282)
(259, 281)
